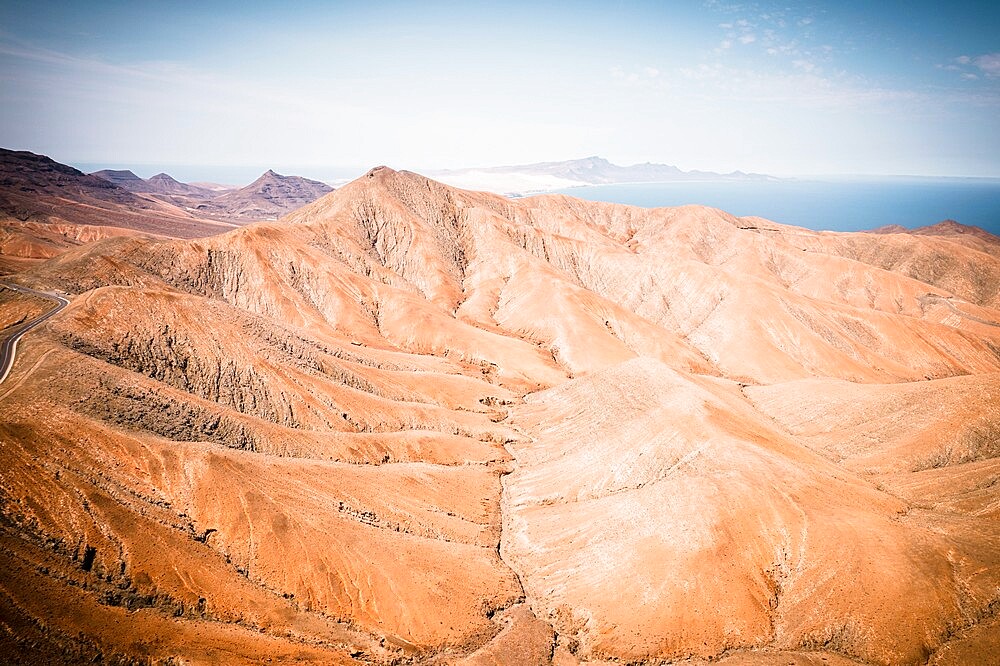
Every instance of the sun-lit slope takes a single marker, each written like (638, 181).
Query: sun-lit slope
(934, 444)
(552, 281)
(225, 355)
(888, 428)
(656, 515)
(25, 244)
(757, 305)
(246, 500)
(303, 427)
(966, 265)
(17, 307)
(323, 267)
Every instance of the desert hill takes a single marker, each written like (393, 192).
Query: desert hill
(269, 197)
(27, 177)
(161, 183)
(123, 178)
(46, 207)
(965, 234)
(412, 423)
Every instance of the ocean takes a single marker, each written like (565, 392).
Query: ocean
(834, 205)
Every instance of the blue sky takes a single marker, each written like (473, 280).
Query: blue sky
(786, 88)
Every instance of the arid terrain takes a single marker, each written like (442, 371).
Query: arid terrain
(47, 207)
(408, 423)
(267, 198)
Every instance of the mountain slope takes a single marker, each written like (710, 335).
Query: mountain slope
(268, 197)
(35, 189)
(410, 422)
(163, 183)
(957, 232)
(122, 178)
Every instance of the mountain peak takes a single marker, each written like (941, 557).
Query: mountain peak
(118, 173)
(162, 176)
(953, 228)
(268, 197)
(950, 225)
(122, 178)
(380, 171)
(268, 176)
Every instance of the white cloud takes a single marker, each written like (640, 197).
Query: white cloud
(652, 72)
(988, 64)
(725, 44)
(748, 38)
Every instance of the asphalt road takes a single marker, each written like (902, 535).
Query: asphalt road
(8, 348)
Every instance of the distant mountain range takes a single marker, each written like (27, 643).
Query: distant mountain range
(267, 198)
(36, 189)
(543, 176)
(47, 207)
(161, 183)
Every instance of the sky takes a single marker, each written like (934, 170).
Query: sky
(786, 88)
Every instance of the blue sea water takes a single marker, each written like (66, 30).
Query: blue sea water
(834, 205)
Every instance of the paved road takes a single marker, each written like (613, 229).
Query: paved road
(9, 346)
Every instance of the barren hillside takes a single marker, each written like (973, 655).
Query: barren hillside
(267, 198)
(37, 189)
(414, 424)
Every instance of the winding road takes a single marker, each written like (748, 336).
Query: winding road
(9, 346)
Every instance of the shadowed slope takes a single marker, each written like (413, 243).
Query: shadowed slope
(34, 188)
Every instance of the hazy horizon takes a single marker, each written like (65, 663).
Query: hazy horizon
(242, 174)
(801, 88)
(834, 202)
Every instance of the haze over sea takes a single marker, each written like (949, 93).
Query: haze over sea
(834, 204)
